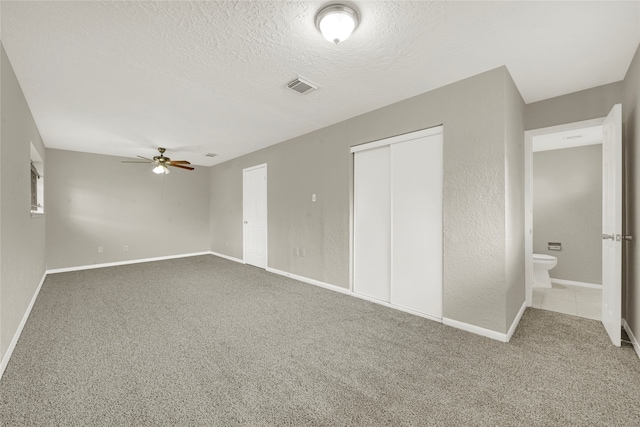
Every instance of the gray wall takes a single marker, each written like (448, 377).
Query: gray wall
(95, 200)
(481, 117)
(312, 164)
(514, 191)
(567, 208)
(22, 238)
(631, 123)
(574, 107)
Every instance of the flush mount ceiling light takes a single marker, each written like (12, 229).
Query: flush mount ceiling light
(336, 22)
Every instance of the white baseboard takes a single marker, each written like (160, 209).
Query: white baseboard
(475, 329)
(132, 261)
(397, 307)
(309, 281)
(516, 321)
(449, 322)
(16, 336)
(574, 283)
(230, 258)
(348, 292)
(634, 341)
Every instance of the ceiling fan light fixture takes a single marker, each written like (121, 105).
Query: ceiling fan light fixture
(161, 163)
(161, 169)
(336, 22)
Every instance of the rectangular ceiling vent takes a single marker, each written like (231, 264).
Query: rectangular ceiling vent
(210, 155)
(302, 85)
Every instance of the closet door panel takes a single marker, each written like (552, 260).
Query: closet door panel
(372, 224)
(416, 200)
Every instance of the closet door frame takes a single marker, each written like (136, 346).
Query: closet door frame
(437, 130)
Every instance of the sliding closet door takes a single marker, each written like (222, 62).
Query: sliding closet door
(372, 224)
(398, 221)
(416, 211)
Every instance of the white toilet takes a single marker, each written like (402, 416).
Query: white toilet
(541, 266)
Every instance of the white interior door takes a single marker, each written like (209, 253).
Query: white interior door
(254, 209)
(372, 224)
(416, 191)
(612, 223)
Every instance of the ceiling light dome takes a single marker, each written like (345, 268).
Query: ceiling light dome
(336, 22)
(161, 169)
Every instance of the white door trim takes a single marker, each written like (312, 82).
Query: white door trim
(399, 138)
(528, 192)
(266, 231)
(263, 165)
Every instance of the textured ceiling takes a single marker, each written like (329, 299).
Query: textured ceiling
(122, 78)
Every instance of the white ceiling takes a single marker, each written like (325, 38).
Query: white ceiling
(123, 78)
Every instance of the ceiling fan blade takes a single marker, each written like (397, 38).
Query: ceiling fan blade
(181, 167)
(183, 162)
(140, 157)
(134, 161)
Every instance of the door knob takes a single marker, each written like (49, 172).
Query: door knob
(608, 236)
(627, 238)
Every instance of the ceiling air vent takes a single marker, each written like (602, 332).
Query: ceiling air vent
(302, 85)
(210, 155)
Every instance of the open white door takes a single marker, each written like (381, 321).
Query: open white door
(254, 210)
(612, 224)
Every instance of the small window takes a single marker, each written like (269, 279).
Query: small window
(34, 188)
(37, 182)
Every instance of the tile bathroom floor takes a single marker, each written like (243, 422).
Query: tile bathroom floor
(574, 300)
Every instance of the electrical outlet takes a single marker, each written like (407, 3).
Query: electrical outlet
(313, 197)
(100, 249)
(126, 248)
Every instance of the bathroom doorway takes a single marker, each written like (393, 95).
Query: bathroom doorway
(566, 218)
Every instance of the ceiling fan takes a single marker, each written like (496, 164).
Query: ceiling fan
(162, 163)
